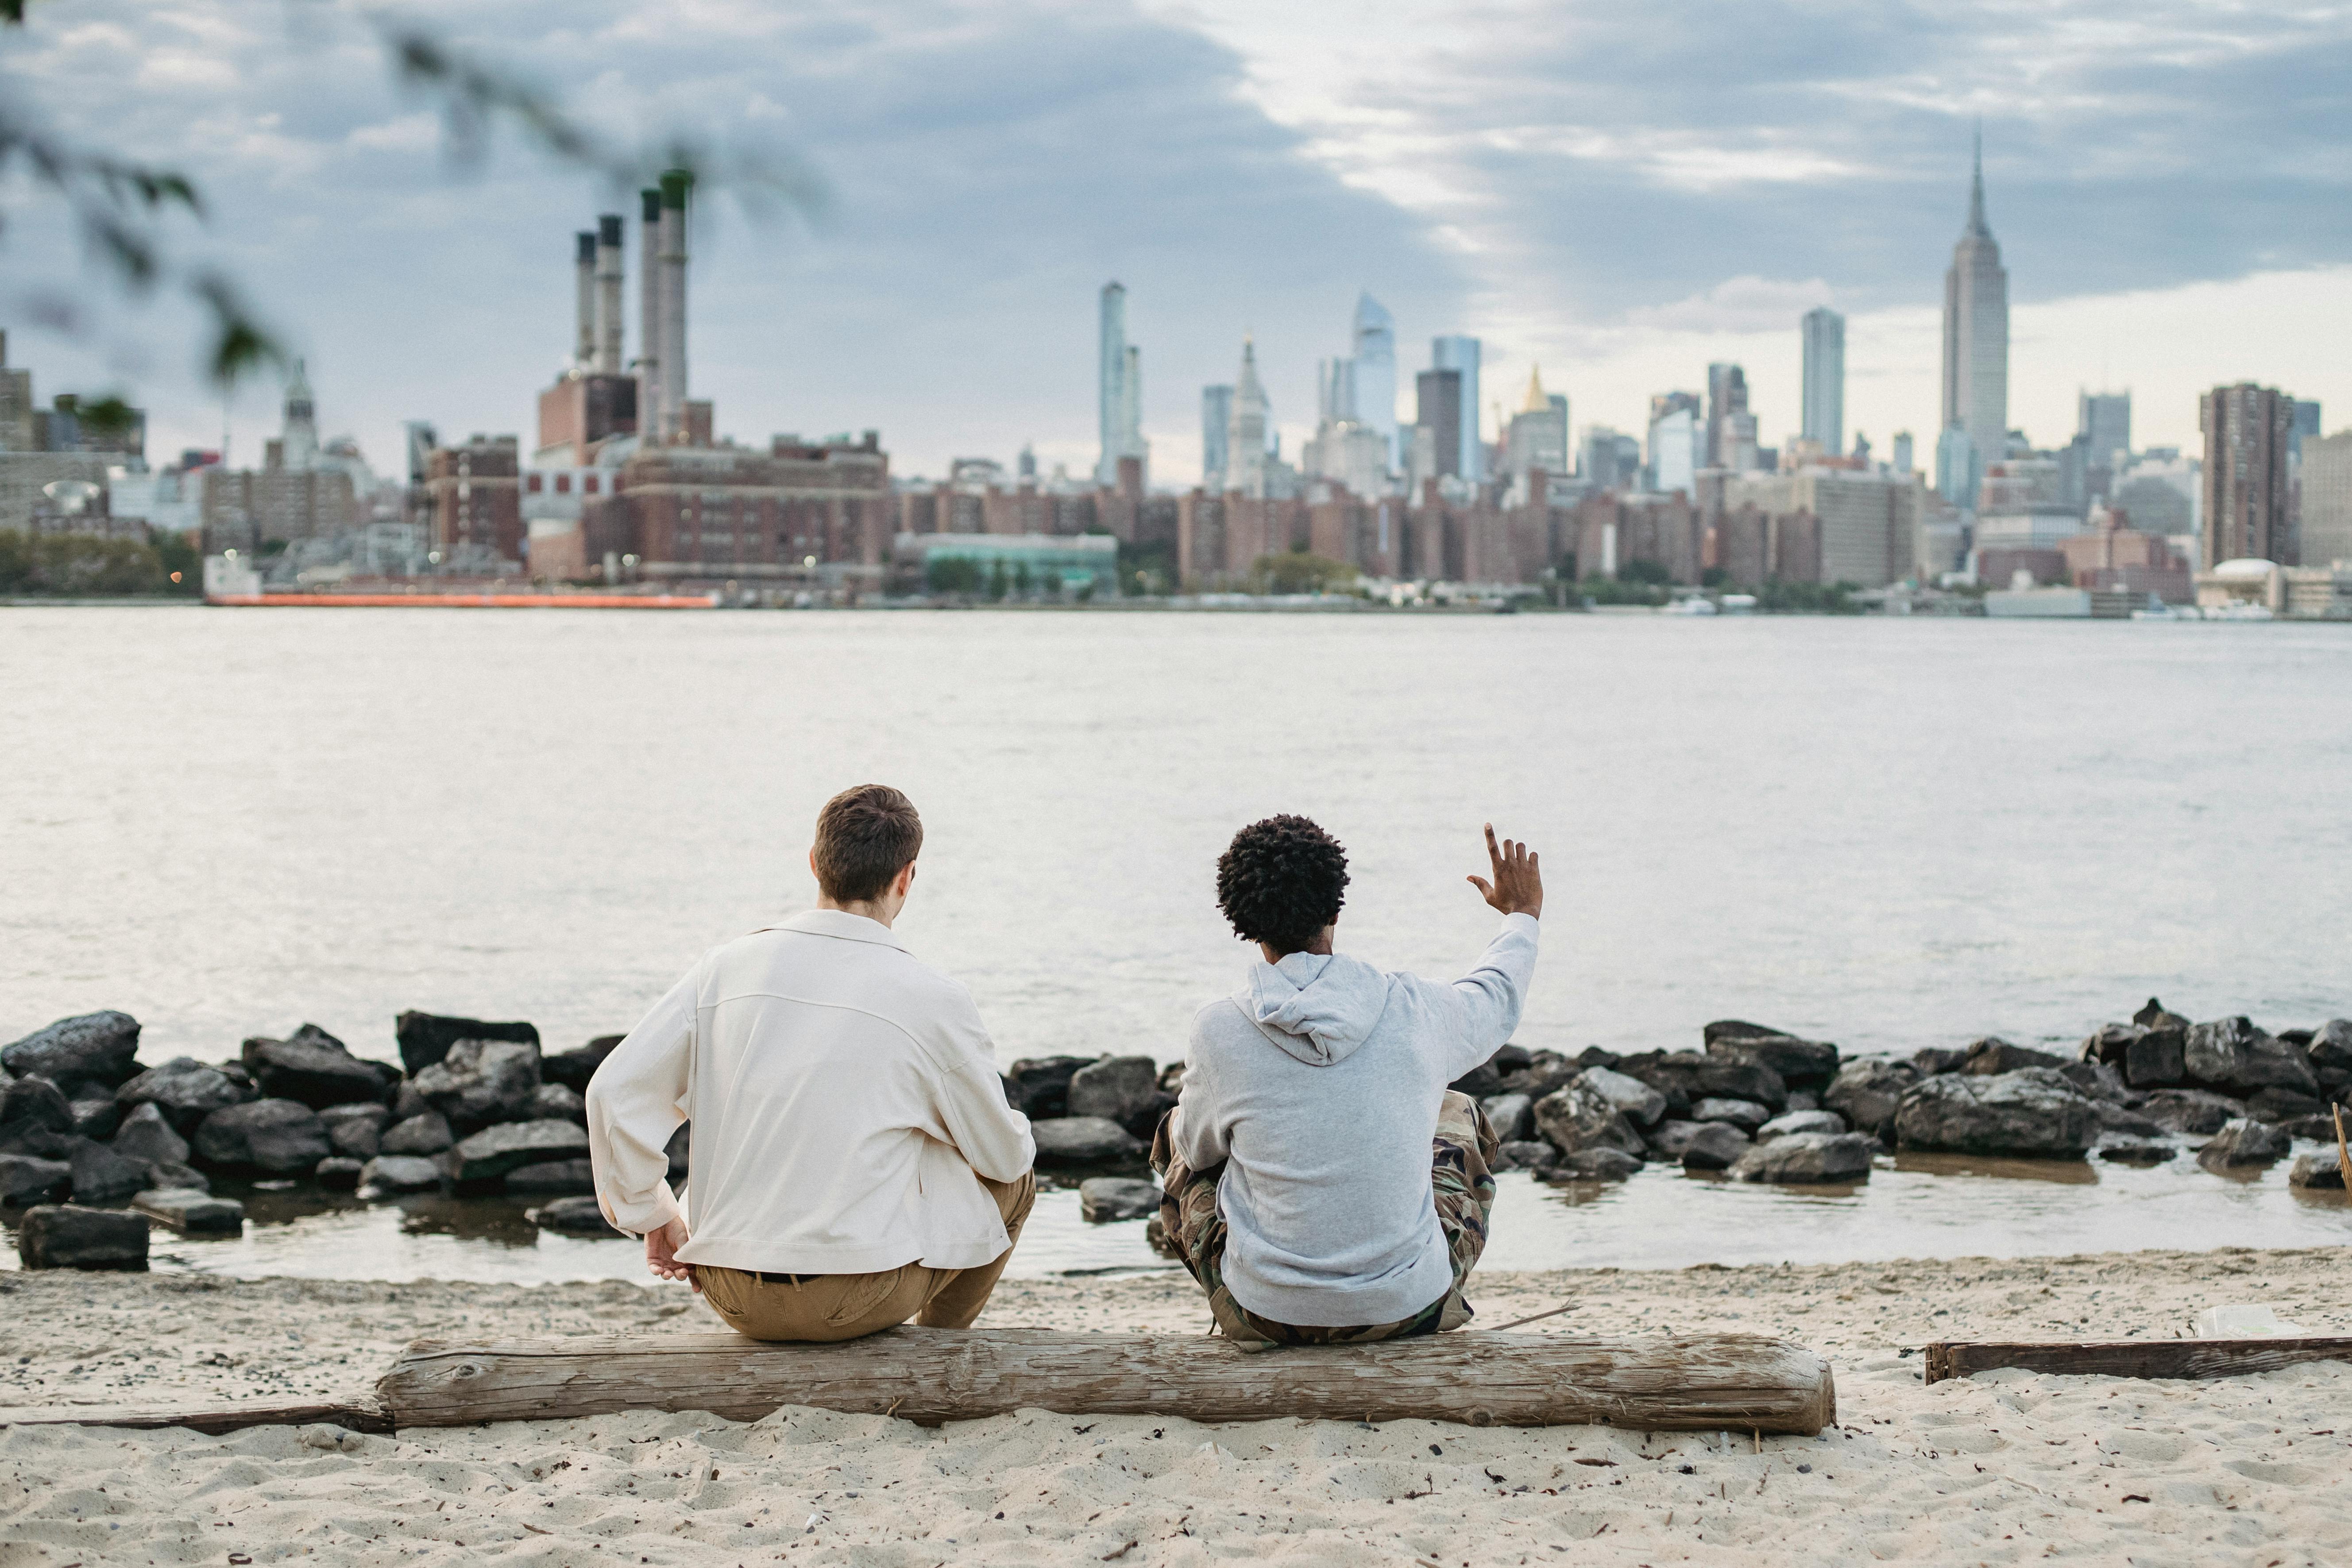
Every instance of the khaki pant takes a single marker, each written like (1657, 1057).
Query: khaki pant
(846, 1306)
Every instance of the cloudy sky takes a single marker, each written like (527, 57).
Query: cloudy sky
(1617, 192)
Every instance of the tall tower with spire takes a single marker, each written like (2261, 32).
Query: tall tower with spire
(1976, 332)
(1245, 430)
(298, 441)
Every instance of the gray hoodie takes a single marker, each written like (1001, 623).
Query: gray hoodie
(1318, 1084)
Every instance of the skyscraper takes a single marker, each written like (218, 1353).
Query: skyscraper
(1976, 332)
(2307, 423)
(1120, 397)
(1335, 390)
(1245, 432)
(1676, 442)
(1374, 380)
(1216, 415)
(1538, 437)
(1438, 404)
(2104, 418)
(1730, 428)
(1824, 394)
(1901, 461)
(1461, 354)
(2246, 430)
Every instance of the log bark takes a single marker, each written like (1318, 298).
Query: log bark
(212, 1419)
(1687, 1381)
(2133, 1358)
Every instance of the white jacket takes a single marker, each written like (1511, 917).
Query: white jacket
(843, 1094)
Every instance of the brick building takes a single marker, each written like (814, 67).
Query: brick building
(473, 502)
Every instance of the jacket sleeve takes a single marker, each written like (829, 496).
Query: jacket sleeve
(1198, 1134)
(635, 1102)
(1482, 1007)
(993, 1139)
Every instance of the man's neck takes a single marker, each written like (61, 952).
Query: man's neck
(880, 913)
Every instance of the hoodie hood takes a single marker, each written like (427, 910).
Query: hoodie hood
(1318, 1006)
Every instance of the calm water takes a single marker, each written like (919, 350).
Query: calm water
(1884, 833)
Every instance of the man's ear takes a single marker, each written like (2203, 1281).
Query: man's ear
(905, 881)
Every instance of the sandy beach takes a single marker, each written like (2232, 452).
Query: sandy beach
(2003, 1468)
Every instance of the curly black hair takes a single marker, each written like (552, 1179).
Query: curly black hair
(1281, 881)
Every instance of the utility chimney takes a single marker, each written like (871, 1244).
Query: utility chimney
(676, 185)
(608, 294)
(584, 353)
(649, 350)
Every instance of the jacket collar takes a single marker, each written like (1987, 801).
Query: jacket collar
(842, 924)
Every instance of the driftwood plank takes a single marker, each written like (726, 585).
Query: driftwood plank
(214, 1418)
(2133, 1358)
(1687, 1381)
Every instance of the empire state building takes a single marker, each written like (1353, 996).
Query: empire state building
(1976, 333)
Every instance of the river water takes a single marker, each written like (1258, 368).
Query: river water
(1884, 833)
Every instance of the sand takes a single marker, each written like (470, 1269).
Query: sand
(2003, 1468)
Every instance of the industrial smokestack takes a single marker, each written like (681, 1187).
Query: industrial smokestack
(650, 353)
(608, 294)
(584, 353)
(676, 185)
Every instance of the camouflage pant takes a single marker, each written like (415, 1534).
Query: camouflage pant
(1461, 1179)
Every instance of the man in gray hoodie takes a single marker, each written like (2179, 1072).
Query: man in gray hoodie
(1321, 1183)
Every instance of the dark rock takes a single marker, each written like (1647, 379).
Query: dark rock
(356, 1131)
(192, 1211)
(1593, 1165)
(2114, 1118)
(493, 1152)
(273, 1137)
(2154, 1016)
(27, 1179)
(185, 1091)
(2275, 1104)
(1117, 1089)
(400, 1173)
(71, 1236)
(1929, 1061)
(2230, 1054)
(2109, 1043)
(1578, 1117)
(2299, 1038)
(1480, 1082)
(558, 1102)
(1991, 1056)
(1802, 1064)
(102, 1176)
(425, 1038)
(406, 1102)
(178, 1178)
(1867, 1094)
(1744, 1114)
(574, 1067)
(339, 1172)
(314, 1068)
(2321, 1170)
(2096, 1079)
(146, 1135)
(680, 1151)
(480, 1083)
(1687, 1076)
(2033, 1113)
(573, 1216)
(1525, 1155)
(99, 1048)
(1102, 1199)
(1794, 1121)
(2244, 1143)
(1809, 1158)
(1172, 1077)
(426, 1135)
(2331, 1046)
(1643, 1106)
(1802, 1100)
(2315, 1128)
(1510, 1115)
(2192, 1110)
(1740, 1029)
(1591, 1057)
(1668, 1139)
(35, 1118)
(1082, 1141)
(1041, 1084)
(553, 1176)
(96, 1118)
(1714, 1146)
(1546, 1072)
(2140, 1152)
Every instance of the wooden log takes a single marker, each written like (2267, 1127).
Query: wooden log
(213, 1418)
(2133, 1358)
(1685, 1382)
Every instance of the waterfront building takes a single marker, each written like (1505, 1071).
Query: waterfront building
(2110, 553)
(55, 446)
(2327, 499)
(1976, 334)
(1730, 427)
(1611, 461)
(2103, 420)
(1956, 468)
(1538, 436)
(1461, 354)
(1439, 407)
(1824, 379)
(1372, 380)
(1675, 442)
(1047, 564)
(1814, 525)
(2245, 482)
(1119, 390)
(1216, 416)
(1245, 453)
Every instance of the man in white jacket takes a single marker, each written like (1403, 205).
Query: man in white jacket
(1320, 1181)
(855, 1163)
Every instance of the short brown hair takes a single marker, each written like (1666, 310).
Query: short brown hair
(864, 837)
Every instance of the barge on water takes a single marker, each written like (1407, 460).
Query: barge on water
(231, 582)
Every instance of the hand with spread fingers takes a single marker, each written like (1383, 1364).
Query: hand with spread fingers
(1518, 887)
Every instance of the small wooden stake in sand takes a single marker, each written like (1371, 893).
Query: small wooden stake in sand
(2343, 1155)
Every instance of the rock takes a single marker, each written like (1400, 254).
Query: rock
(2114, 1118)
(1594, 1165)
(192, 1211)
(35, 1118)
(95, 1118)
(406, 1102)
(102, 1176)
(1806, 1158)
(1082, 1141)
(314, 1068)
(2138, 1152)
(185, 1091)
(2321, 1170)
(2109, 1043)
(1802, 1100)
(1867, 1094)
(1802, 1064)
(493, 1152)
(1739, 1029)
(2242, 1142)
(1643, 1106)
(425, 1039)
(2231, 1054)
(680, 1149)
(1041, 1085)
(1548, 1072)
(2157, 1057)
(1117, 1088)
(426, 1135)
(1479, 1083)
(71, 1236)
(1687, 1076)
(2275, 1104)
(1713, 1146)
(1991, 1056)
(1790, 1121)
(2096, 1079)
(2331, 1046)
(553, 1176)
(1578, 1117)
(146, 1135)
(27, 1179)
(1594, 1057)
(355, 1137)
(559, 1103)
(1929, 1061)
(400, 1173)
(273, 1137)
(1525, 1155)
(2193, 1110)
(480, 1083)
(1102, 1199)
(97, 1048)
(2031, 1115)
(1668, 1139)
(1509, 1058)
(1172, 1077)
(177, 1178)
(2154, 1016)
(574, 1068)
(1510, 1115)
(338, 1173)
(573, 1216)
(1744, 1114)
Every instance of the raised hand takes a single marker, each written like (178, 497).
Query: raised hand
(1518, 887)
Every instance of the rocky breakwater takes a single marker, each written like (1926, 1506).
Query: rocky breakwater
(1093, 1117)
